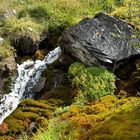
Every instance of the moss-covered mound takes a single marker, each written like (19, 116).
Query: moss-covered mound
(91, 83)
(28, 113)
(108, 119)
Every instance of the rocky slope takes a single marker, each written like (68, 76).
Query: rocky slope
(102, 41)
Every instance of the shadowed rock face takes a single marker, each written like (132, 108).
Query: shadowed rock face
(7, 71)
(24, 45)
(101, 40)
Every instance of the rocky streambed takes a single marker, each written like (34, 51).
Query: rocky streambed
(101, 41)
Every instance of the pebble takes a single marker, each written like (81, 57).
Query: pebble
(1, 40)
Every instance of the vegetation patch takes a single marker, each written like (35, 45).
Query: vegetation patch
(28, 111)
(95, 113)
(97, 120)
(6, 50)
(91, 83)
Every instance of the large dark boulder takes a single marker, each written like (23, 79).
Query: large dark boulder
(102, 41)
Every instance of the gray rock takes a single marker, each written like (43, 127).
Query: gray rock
(7, 71)
(1, 40)
(32, 127)
(100, 41)
(40, 85)
(7, 66)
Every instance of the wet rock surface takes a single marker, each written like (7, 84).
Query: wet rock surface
(24, 45)
(40, 85)
(7, 71)
(7, 66)
(101, 40)
(57, 86)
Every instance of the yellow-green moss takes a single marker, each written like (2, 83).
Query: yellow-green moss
(6, 50)
(124, 125)
(33, 103)
(28, 111)
(109, 118)
(128, 11)
(23, 27)
(91, 83)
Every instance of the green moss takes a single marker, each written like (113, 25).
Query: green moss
(33, 103)
(6, 50)
(76, 68)
(103, 119)
(22, 27)
(27, 112)
(129, 11)
(91, 83)
(120, 126)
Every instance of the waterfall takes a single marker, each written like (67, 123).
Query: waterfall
(28, 75)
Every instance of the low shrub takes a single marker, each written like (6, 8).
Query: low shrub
(91, 83)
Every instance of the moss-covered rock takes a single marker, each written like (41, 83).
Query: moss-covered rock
(109, 118)
(27, 112)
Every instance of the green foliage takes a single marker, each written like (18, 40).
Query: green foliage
(38, 12)
(129, 10)
(75, 68)
(55, 130)
(24, 26)
(91, 83)
(61, 110)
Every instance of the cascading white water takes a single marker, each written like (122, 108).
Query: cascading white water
(28, 75)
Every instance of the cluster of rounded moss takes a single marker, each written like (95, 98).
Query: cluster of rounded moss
(91, 83)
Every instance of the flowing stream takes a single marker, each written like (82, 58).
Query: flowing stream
(28, 75)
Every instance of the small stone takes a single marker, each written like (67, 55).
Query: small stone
(32, 127)
(1, 40)
(40, 85)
